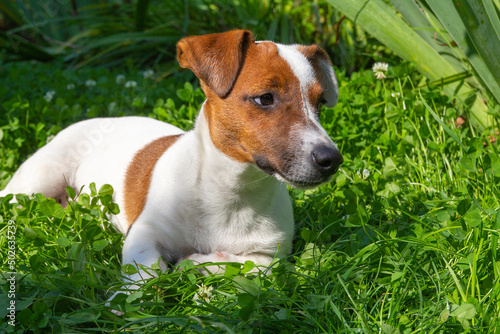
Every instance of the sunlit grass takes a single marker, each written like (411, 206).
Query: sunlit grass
(403, 240)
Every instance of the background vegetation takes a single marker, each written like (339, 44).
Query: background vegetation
(403, 240)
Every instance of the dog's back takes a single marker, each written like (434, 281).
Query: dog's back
(96, 150)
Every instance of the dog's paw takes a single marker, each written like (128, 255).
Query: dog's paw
(108, 304)
(214, 257)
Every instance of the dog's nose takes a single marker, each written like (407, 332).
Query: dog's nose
(327, 159)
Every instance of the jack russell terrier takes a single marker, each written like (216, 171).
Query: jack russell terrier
(216, 193)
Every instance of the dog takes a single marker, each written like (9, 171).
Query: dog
(216, 193)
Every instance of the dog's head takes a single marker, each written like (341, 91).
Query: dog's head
(263, 103)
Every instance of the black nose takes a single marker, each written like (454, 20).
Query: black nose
(327, 159)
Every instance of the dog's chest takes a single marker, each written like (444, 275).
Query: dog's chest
(209, 202)
(241, 226)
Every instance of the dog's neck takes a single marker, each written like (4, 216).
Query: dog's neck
(225, 174)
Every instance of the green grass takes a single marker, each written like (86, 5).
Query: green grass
(403, 240)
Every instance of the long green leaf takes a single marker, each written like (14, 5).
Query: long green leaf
(457, 28)
(425, 25)
(382, 22)
(492, 13)
(11, 11)
(480, 26)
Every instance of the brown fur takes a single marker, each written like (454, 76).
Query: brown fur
(243, 130)
(139, 172)
(216, 58)
(319, 60)
(315, 95)
(233, 69)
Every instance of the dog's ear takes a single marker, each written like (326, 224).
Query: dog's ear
(216, 58)
(324, 72)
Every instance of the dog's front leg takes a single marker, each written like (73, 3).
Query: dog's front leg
(215, 257)
(139, 249)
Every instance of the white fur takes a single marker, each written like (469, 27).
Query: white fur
(233, 207)
(202, 202)
(314, 133)
(299, 64)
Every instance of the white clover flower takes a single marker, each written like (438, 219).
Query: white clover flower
(204, 294)
(112, 106)
(70, 86)
(379, 69)
(366, 174)
(120, 79)
(90, 83)
(148, 74)
(130, 84)
(49, 95)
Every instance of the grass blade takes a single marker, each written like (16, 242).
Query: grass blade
(141, 14)
(479, 42)
(11, 11)
(440, 121)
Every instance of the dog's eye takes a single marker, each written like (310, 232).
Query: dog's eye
(264, 99)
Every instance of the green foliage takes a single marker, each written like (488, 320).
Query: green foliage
(475, 27)
(93, 32)
(404, 239)
(59, 97)
(430, 38)
(64, 258)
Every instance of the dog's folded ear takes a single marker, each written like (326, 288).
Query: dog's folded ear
(324, 72)
(216, 58)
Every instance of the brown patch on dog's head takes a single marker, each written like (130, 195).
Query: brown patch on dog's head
(216, 58)
(257, 108)
(250, 132)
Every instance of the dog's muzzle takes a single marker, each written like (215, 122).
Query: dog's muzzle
(314, 169)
